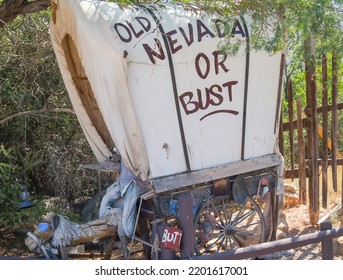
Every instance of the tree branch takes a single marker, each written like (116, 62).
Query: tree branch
(40, 111)
(10, 9)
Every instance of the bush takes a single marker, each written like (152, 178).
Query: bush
(9, 190)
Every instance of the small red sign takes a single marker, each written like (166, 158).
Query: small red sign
(171, 238)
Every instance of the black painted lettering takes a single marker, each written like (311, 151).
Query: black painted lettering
(136, 33)
(123, 32)
(144, 22)
(204, 58)
(237, 29)
(194, 106)
(214, 91)
(203, 30)
(152, 53)
(190, 39)
(229, 86)
(203, 104)
(219, 24)
(172, 42)
(219, 63)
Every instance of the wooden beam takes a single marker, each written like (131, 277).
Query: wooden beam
(286, 125)
(182, 180)
(288, 173)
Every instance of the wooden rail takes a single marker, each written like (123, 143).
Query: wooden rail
(324, 236)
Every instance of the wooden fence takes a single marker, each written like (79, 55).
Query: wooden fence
(313, 136)
(324, 236)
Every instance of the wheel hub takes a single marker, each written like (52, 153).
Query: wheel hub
(229, 230)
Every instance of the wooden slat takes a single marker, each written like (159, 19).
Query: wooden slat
(325, 132)
(281, 139)
(311, 99)
(334, 117)
(301, 161)
(178, 181)
(285, 125)
(291, 117)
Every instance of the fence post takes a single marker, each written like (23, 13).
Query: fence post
(301, 160)
(325, 132)
(291, 126)
(313, 151)
(281, 140)
(327, 247)
(334, 93)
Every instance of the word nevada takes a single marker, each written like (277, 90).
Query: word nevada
(177, 38)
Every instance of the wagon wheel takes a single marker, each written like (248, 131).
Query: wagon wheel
(223, 224)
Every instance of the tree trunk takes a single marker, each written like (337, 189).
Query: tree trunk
(10, 9)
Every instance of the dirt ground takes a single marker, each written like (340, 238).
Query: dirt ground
(298, 221)
(12, 243)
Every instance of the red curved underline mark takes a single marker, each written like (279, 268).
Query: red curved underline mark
(220, 111)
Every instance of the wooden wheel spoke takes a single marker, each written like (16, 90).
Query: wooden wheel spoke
(234, 225)
(218, 214)
(224, 210)
(239, 212)
(231, 212)
(246, 233)
(219, 226)
(243, 217)
(210, 246)
(248, 225)
(221, 243)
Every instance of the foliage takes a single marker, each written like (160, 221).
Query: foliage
(9, 191)
(47, 148)
(11, 216)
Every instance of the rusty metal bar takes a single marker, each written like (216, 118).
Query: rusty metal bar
(186, 224)
(165, 254)
(277, 246)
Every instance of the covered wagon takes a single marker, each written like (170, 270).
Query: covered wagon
(197, 123)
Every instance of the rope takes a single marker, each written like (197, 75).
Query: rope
(68, 231)
(114, 217)
(65, 233)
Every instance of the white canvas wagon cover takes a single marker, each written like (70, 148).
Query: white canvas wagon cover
(151, 81)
